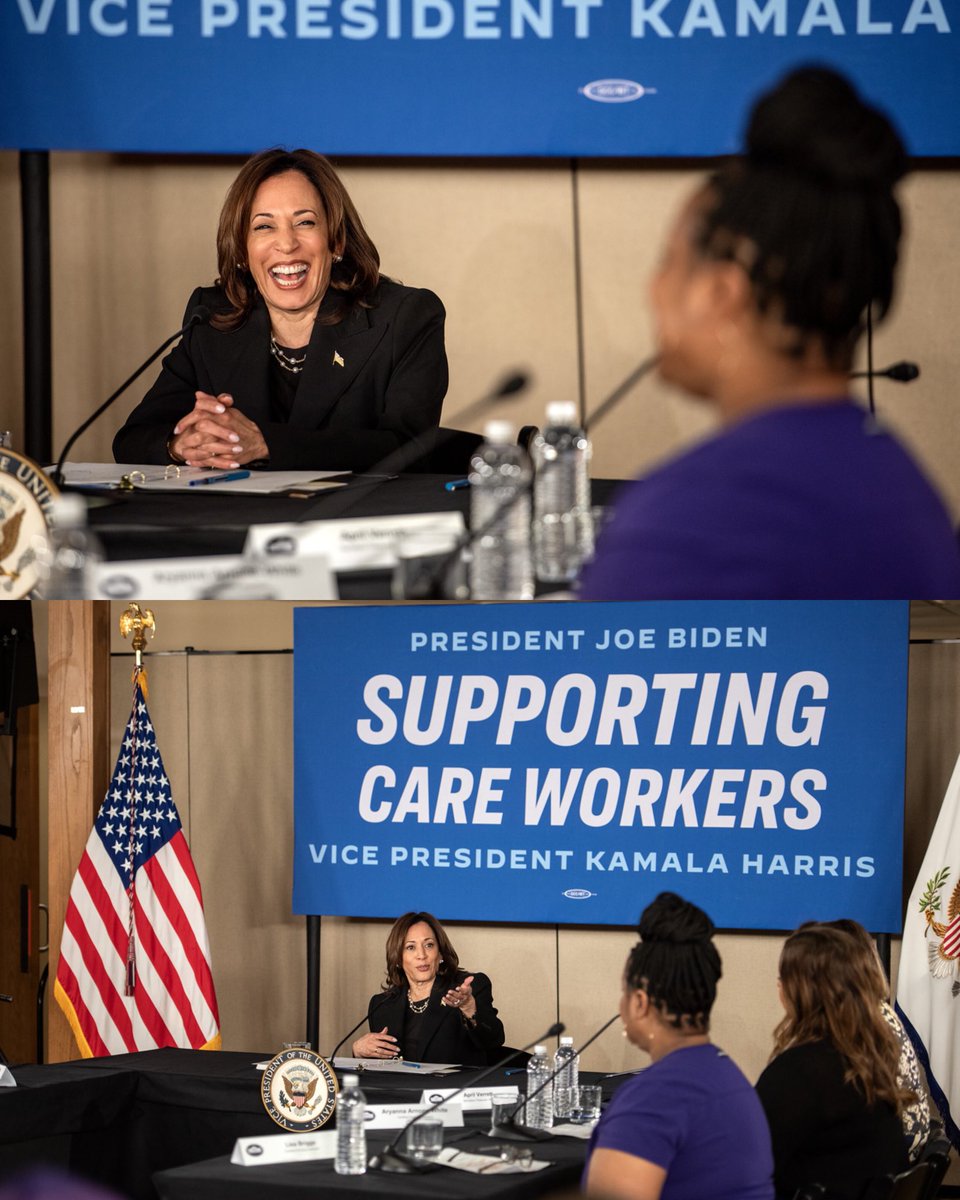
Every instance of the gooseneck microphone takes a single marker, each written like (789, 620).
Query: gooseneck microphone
(512, 1130)
(395, 1161)
(198, 316)
(366, 1017)
(511, 385)
(899, 372)
(622, 389)
(471, 536)
(339, 503)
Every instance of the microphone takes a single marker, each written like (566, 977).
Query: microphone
(199, 315)
(341, 502)
(466, 540)
(395, 1161)
(621, 390)
(510, 385)
(899, 372)
(383, 999)
(515, 1132)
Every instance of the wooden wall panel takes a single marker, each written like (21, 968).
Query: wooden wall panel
(78, 764)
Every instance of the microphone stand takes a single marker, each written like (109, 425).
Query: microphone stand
(200, 315)
(515, 1132)
(386, 996)
(396, 1162)
(406, 455)
(467, 539)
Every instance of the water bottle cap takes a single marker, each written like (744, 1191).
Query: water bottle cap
(566, 1041)
(561, 412)
(539, 1049)
(351, 1081)
(68, 511)
(500, 433)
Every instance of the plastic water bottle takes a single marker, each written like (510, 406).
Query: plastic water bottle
(566, 1066)
(538, 1112)
(72, 553)
(562, 516)
(351, 1157)
(500, 474)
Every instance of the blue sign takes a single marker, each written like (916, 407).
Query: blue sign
(563, 763)
(454, 77)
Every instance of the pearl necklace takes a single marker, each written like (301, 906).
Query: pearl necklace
(287, 361)
(419, 1007)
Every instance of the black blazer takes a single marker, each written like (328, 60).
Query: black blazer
(446, 1035)
(389, 388)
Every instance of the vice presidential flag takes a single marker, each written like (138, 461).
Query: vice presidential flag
(928, 986)
(134, 970)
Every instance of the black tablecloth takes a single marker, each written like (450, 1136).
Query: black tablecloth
(136, 525)
(219, 1180)
(121, 1120)
(118, 1120)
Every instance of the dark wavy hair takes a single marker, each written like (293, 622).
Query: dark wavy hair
(830, 988)
(865, 946)
(809, 211)
(675, 962)
(450, 963)
(354, 280)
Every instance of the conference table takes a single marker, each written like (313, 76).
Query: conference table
(164, 1122)
(207, 521)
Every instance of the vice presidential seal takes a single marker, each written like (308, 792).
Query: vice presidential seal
(299, 1090)
(26, 495)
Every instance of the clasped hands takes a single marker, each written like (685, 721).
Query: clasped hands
(215, 434)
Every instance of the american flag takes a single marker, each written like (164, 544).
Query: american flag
(134, 970)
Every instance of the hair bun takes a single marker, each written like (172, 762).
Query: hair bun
(671, 919)
(814, 123)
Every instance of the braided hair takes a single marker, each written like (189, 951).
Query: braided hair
(809, 211)
(675, 962)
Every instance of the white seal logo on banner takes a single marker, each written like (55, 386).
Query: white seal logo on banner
(615, 91)
(578, 894)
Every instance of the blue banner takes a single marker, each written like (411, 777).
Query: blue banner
(564, 763)
(454, 77)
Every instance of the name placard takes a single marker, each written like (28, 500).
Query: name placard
(473, 1099)
(284, 1148)
(217, 577)
(351, 544)
(395, 1116)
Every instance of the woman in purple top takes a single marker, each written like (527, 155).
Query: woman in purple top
(759, 303)
(690, 1126)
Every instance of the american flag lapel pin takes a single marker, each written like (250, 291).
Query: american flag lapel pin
(338, 359)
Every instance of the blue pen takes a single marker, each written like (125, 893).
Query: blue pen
(404, 1063)
(229, 477)
(456, 485)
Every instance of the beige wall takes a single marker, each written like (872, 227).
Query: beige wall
(132, 236)
(224, 727)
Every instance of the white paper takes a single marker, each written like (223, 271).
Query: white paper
(260, 483)
(284, 1147)
(352, 543)
(220, 576)
(484, 1164)
(394, 1066)
(6, 1077)
(474, 1099)
(395, 1116)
